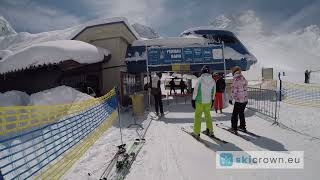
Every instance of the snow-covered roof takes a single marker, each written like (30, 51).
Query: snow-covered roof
(171, 41)
(16, 42)
(52, 52)
(104, 22)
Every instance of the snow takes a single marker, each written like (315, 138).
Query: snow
(53, 52)
(14, 98)
(5, 27)
(15, 42)
(4, 53)
(169, 153)
(145, 31)
(57, 95)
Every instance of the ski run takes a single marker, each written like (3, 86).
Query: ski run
(170, 154)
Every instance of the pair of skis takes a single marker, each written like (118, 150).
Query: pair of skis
(120, 164)
(227, 128)
(214, 138)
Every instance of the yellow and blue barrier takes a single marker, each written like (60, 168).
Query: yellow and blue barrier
(301, 94)
(43, 142)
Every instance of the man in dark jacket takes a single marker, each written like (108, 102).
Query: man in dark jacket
(182, 86)
(172, 86)
(156, 92)
(221, 86)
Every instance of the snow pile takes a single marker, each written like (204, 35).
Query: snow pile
(291, 53)
(14, 98)
(58, 95)
(53, 52)
(145, 31)
(5, 27)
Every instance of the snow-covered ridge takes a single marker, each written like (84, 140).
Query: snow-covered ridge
(53, 52)
(145, 31)
(5, 27)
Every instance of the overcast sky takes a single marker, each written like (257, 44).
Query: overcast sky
(168, 17)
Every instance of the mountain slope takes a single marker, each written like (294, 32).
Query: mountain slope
(5, 27)
(292, 53)
(145, 31)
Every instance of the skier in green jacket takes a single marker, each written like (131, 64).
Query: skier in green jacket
(202, 101)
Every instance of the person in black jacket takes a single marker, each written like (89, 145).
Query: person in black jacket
(172, 86)
(156, 92)
(182, 86)
(221, 86)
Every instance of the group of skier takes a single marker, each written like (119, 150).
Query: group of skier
(207, 94)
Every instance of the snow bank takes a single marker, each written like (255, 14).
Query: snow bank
(58, 95)
(14, 98)
(53, 52)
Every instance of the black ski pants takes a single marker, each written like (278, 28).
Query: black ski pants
(238, 110)
(158, 103)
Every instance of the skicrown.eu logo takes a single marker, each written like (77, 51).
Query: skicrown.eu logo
(226, 159)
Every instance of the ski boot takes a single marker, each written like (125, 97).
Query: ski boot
(197, 136)
(242, 129)
(207, 132)
(234, 131)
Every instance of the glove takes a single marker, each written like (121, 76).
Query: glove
(193, 103)
(230, 102)
(212, 103)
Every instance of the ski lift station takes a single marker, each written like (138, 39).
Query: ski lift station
(122, 57)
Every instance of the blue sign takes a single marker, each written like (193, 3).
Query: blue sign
(174, 54)
(153, 56)
(187, 55)
(207, 55)
(197, 55)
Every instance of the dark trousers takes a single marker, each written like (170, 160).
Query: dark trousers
(172, 89)
(238, 110)
(158, 102)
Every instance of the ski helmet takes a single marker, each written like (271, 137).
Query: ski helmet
(205, 69)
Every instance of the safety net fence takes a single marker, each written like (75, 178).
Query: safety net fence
(301, 94)
(43, 142)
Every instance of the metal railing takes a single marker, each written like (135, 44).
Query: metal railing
(264, 101)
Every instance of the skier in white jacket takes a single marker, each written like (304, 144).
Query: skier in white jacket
(202, 101)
